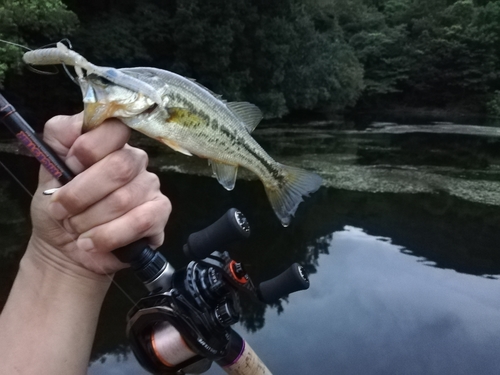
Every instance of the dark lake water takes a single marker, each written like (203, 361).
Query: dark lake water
(401, 244)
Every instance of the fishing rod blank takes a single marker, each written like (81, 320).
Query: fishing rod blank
(146, 262)
(20, 128)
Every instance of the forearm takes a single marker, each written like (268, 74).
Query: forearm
(49, 321)
(48, 324)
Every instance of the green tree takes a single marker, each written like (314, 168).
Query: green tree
(29, 22)
(382, 49)
(436, 52)
(457, 58)
(281, 55)
(321, 68)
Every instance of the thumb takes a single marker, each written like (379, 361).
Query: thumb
(59, 134)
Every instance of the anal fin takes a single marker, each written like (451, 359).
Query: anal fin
(225, 173)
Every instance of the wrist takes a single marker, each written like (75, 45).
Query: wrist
(54, 266)
(51, 314)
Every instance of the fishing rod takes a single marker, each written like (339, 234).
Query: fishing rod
(184, 323)
(140, 256)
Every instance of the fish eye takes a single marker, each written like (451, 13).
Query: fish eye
(103, 80)
(100, 80)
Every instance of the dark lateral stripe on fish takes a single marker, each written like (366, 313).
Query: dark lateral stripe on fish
(270, 168)
(185, 117)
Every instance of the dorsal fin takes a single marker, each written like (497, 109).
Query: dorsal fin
(217, 96)
(249, 114)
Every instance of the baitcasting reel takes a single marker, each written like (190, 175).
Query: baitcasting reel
(184, 324)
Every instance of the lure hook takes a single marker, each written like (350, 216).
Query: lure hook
(65, 41)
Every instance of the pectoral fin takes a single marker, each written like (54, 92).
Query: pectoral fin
(175, 146)
(225, 173)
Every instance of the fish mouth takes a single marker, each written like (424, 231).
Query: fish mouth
(94, 114)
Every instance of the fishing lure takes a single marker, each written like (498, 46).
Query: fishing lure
(63, 55)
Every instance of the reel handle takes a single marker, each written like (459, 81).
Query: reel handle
(232, 226)
(292, 280)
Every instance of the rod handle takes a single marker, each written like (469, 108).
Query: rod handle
(242, 359)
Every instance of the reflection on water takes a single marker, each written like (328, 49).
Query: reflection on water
(401, 245)
(373, 309)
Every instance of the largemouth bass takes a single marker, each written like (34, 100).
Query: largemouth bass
(197, 122)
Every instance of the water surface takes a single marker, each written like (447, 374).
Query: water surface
(401, 245)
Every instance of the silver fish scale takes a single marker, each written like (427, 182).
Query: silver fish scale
(222, 138)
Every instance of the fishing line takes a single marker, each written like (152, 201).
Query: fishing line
(96, 264)
(17, 180)
(111, 278)
(16, 45)
(33, 69)
(42, 72)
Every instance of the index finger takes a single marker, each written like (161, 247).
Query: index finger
(60, 132)
(80, 151)
(91, 147)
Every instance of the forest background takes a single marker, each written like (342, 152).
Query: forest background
(286, 56)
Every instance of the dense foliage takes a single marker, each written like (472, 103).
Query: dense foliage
(287, 55)
(28, 21)
(274, 55)
(434, 52)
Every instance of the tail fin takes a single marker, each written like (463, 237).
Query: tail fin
(298, 183)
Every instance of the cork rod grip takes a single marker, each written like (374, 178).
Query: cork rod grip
(248, 363)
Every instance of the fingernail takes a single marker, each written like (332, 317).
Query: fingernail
(58, 211)
(74, 164)
(50, 191)
(85, 244)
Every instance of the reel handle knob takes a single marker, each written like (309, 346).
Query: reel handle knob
(232, 226)
(292, 280)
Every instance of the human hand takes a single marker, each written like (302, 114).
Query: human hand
(112, 202)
